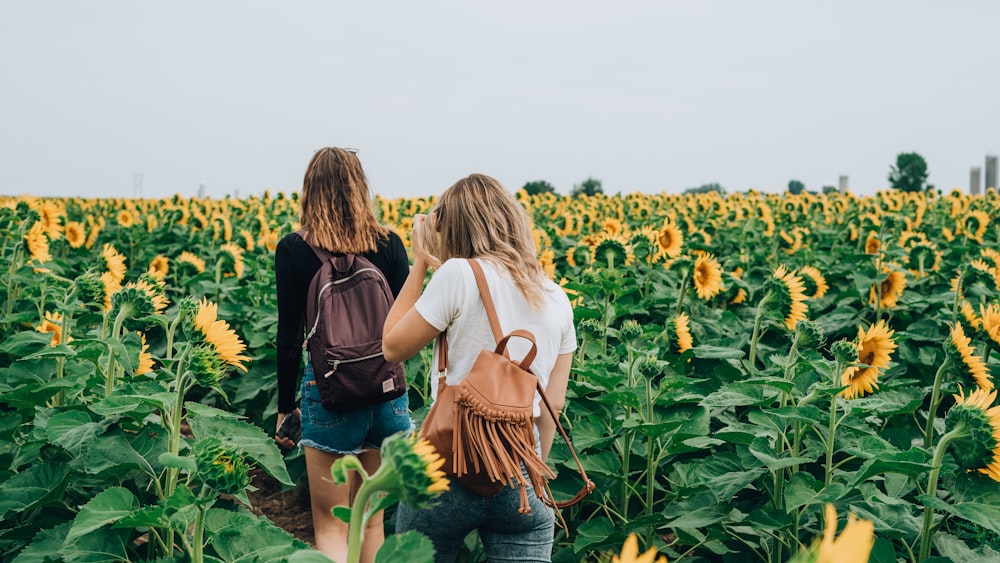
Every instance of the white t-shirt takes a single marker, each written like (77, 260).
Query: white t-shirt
(451, 302)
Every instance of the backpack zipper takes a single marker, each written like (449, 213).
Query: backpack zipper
(335, 363)
(319, 299)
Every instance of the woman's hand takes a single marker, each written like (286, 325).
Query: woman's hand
(285, 442)
(423, 228)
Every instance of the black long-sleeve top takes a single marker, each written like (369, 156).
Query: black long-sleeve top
(295, 264)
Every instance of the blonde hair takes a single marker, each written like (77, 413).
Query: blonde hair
(337, 211)
(478, 217)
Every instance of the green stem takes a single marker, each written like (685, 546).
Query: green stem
(932, 408)
(359, 510)
(198, 541)
(109, 376)
(925, 533)
(682, 293)
(756, 327)
(831, 437)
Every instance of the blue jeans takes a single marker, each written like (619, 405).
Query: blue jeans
(353, 431)
(507, 536)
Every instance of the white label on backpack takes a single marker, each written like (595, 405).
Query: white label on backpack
(388, 385)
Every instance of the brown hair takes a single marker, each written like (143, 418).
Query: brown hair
(478, 217)
(337, 208)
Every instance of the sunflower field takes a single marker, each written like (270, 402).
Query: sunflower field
(749, 367)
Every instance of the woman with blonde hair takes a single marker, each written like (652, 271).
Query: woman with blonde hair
(478, 219)
(337, 215)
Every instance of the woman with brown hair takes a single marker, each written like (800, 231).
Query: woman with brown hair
(478, 219)
(337, 215)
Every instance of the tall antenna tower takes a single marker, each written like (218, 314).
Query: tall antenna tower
(137, 185)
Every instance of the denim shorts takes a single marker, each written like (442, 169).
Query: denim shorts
(353, 431)
(507, 535)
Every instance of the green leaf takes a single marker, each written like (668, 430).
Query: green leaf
(804, 490)
(109, 506)
(698, 511)
(242, 537)
(958, 552)
(45, 546)
(100, 546)
(911, 463)
(592, 534)
(207, 422)
(985, 515)
(37, 486)
(113, 449)
(74, 430)
(25, 343)
(765, 453)
(172, 460)
(724, 475)
(717, 353)
(342, 513)
(412, 547)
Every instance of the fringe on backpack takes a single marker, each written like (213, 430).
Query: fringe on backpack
(497, 442)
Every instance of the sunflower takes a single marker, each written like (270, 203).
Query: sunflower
(191, 260)
(76, 235)
(977, 423)
(815, 283)
(114, 262)
(678, 334)
(707, 276)
(53, 322)
(226, 344)
(960, 351)
(889, 290)
(37, 243)
(248, 242)
(790, 243)
(611, 226)
(977, 276)
(145, 359)
(923, 257)
(547, 261)
(875, 347)
(991, 256)
(159, 266)
(969, 316)
(614, 250)
(989, 322)
(791, 295)
(125, 218)
(974, 225)
(670, 239)
(630, 553)
(872, 244)
(232, 259)
(51, 215)
(411, 470)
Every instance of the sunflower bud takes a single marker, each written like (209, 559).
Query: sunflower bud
(808, 334)
(649, 366)
(416, 468)
(590, 328)
(221, 468)
(91, 290)
(206, 366)
(844, 351)
(630, 331)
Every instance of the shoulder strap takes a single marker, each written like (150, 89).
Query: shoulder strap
(491, 314)
(321, 253)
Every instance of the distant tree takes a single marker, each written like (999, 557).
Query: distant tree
(795, 187)
(909, 173)
(538, 187)
(590, 186)
(705, 188)
(830, 189)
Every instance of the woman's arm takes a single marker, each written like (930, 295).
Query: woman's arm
(555, 391)
(406, 332)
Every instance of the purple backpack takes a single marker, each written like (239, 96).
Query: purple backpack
(346, 306)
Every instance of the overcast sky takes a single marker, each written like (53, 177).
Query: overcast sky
(645, 96)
